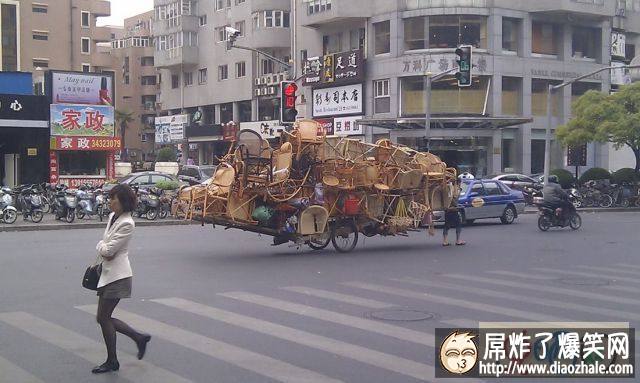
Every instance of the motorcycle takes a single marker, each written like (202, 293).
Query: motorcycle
(90, 202)
(165, 202)
(65, 203)
(575, 198)
(531, 194)
(148, 204)
(30, 203)
(555, 217)
(8, 213)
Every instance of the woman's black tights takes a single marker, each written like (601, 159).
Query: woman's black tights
(110, 325)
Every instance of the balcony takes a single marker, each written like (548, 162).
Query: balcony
(103, 60)
(101, 34)
(187, 24)
(421, 4)
(148, 90)
(272, 38)
(187, 56)
(101, 8)
(340, 11)
(270, 5)
(148, 71)
(148, 107)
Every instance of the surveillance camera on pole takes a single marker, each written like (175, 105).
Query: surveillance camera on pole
(232, 35)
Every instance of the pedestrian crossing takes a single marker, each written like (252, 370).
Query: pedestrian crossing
(372, 351)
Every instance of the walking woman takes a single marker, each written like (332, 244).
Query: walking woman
(116, 276)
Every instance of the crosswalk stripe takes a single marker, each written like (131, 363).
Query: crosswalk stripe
(539, 301)
(245, 359)
(338, 297)
(520, 275)
(375, 358)
(454, 302)
(12, 373)
(628, 265)
(334, 317)
(610, 270)
(130, 367)
(590, 275)
(368, 303)
(547, 289)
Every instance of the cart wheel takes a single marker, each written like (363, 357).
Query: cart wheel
(345, 238)
(319, 243)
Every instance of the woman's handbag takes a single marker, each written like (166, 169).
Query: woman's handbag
(91, 277)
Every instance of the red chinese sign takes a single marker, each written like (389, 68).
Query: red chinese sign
(111, 144)
(53, 167)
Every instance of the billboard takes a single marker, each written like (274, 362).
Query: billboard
(170, 128)
(338, 101)
(82, 120)
(81, 88)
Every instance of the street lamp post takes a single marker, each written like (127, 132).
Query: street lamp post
(551, 90)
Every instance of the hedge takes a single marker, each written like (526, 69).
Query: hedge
(565, 177)
(595, 174)
(625, 175)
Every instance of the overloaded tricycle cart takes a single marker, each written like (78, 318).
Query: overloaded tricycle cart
(315, 189)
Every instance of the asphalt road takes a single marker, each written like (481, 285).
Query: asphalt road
(225, 306)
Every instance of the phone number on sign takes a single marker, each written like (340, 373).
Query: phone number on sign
(105, 144)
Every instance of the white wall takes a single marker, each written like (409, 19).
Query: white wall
(622, 158)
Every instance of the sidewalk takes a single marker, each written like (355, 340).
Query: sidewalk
(50, 223)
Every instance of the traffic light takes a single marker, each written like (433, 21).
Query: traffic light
(288, 97)
(464, 53)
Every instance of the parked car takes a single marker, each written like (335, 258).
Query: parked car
(516, 181)
(539, 177)
(143, 180)
(194, 174)
(482, 199)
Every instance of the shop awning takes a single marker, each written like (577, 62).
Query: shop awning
(445, 122)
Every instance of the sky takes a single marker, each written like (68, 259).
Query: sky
(121, 9)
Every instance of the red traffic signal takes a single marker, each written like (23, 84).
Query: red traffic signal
(288, 97)
(290, 89)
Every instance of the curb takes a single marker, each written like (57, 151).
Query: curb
(96, 225)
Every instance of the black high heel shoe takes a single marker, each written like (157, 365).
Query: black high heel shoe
(106, 367)
(142, 345)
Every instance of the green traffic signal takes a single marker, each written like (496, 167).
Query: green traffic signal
(464, 53)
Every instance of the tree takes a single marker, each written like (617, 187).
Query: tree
(606, 118)
(123, 118)
(166, 154)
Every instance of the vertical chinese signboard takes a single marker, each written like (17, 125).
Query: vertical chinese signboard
(83, 128)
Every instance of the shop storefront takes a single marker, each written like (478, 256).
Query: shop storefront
(83, 145)
(206, 143)
(24, 139)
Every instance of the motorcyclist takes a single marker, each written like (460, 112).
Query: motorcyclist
(555, 197)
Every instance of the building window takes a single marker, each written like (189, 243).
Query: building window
(223, 72)
(175, 81)
(126, 79)
(40, 63)
(511, 96)
(241, 69)
(510, 34)
(9, 31)
(545, 39)
(630, 51)
(86, 68)
(267, 66)
(382, 32)
(238, 2)
(222, 4)
(40, 8)
(221, 34)
(38, 35)
(539, 92)
(202, 76)
(202, 20)
(415, 33)
(357, 39)
(85, 47)
(580, 88)
(381, 96)
(143, 137)
(240, 26)
(452, 31)
(268, 19)
(147, 61)
(188, 78)
(332, 43)
(149, 80)
(586, 43)
(446, 96)
(85, 21)
(304, 55)
(315, 6)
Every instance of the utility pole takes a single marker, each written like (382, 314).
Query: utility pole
(428, 81)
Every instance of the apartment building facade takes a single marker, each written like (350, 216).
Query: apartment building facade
(520, 47)
(200, 77)
(137, 84)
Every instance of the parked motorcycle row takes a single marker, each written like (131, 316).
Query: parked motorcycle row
(66, 204)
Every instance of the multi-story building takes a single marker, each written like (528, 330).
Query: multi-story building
(198, 72)
(519, 48)
(137, 84)
(43, 34)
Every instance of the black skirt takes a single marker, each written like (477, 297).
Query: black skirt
(116, 290)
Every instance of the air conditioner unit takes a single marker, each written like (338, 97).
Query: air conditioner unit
(269, 80)
(257, 81)
(263, 81)
(256, 92)
(282, 77)
(272, 90)
(263, 91)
